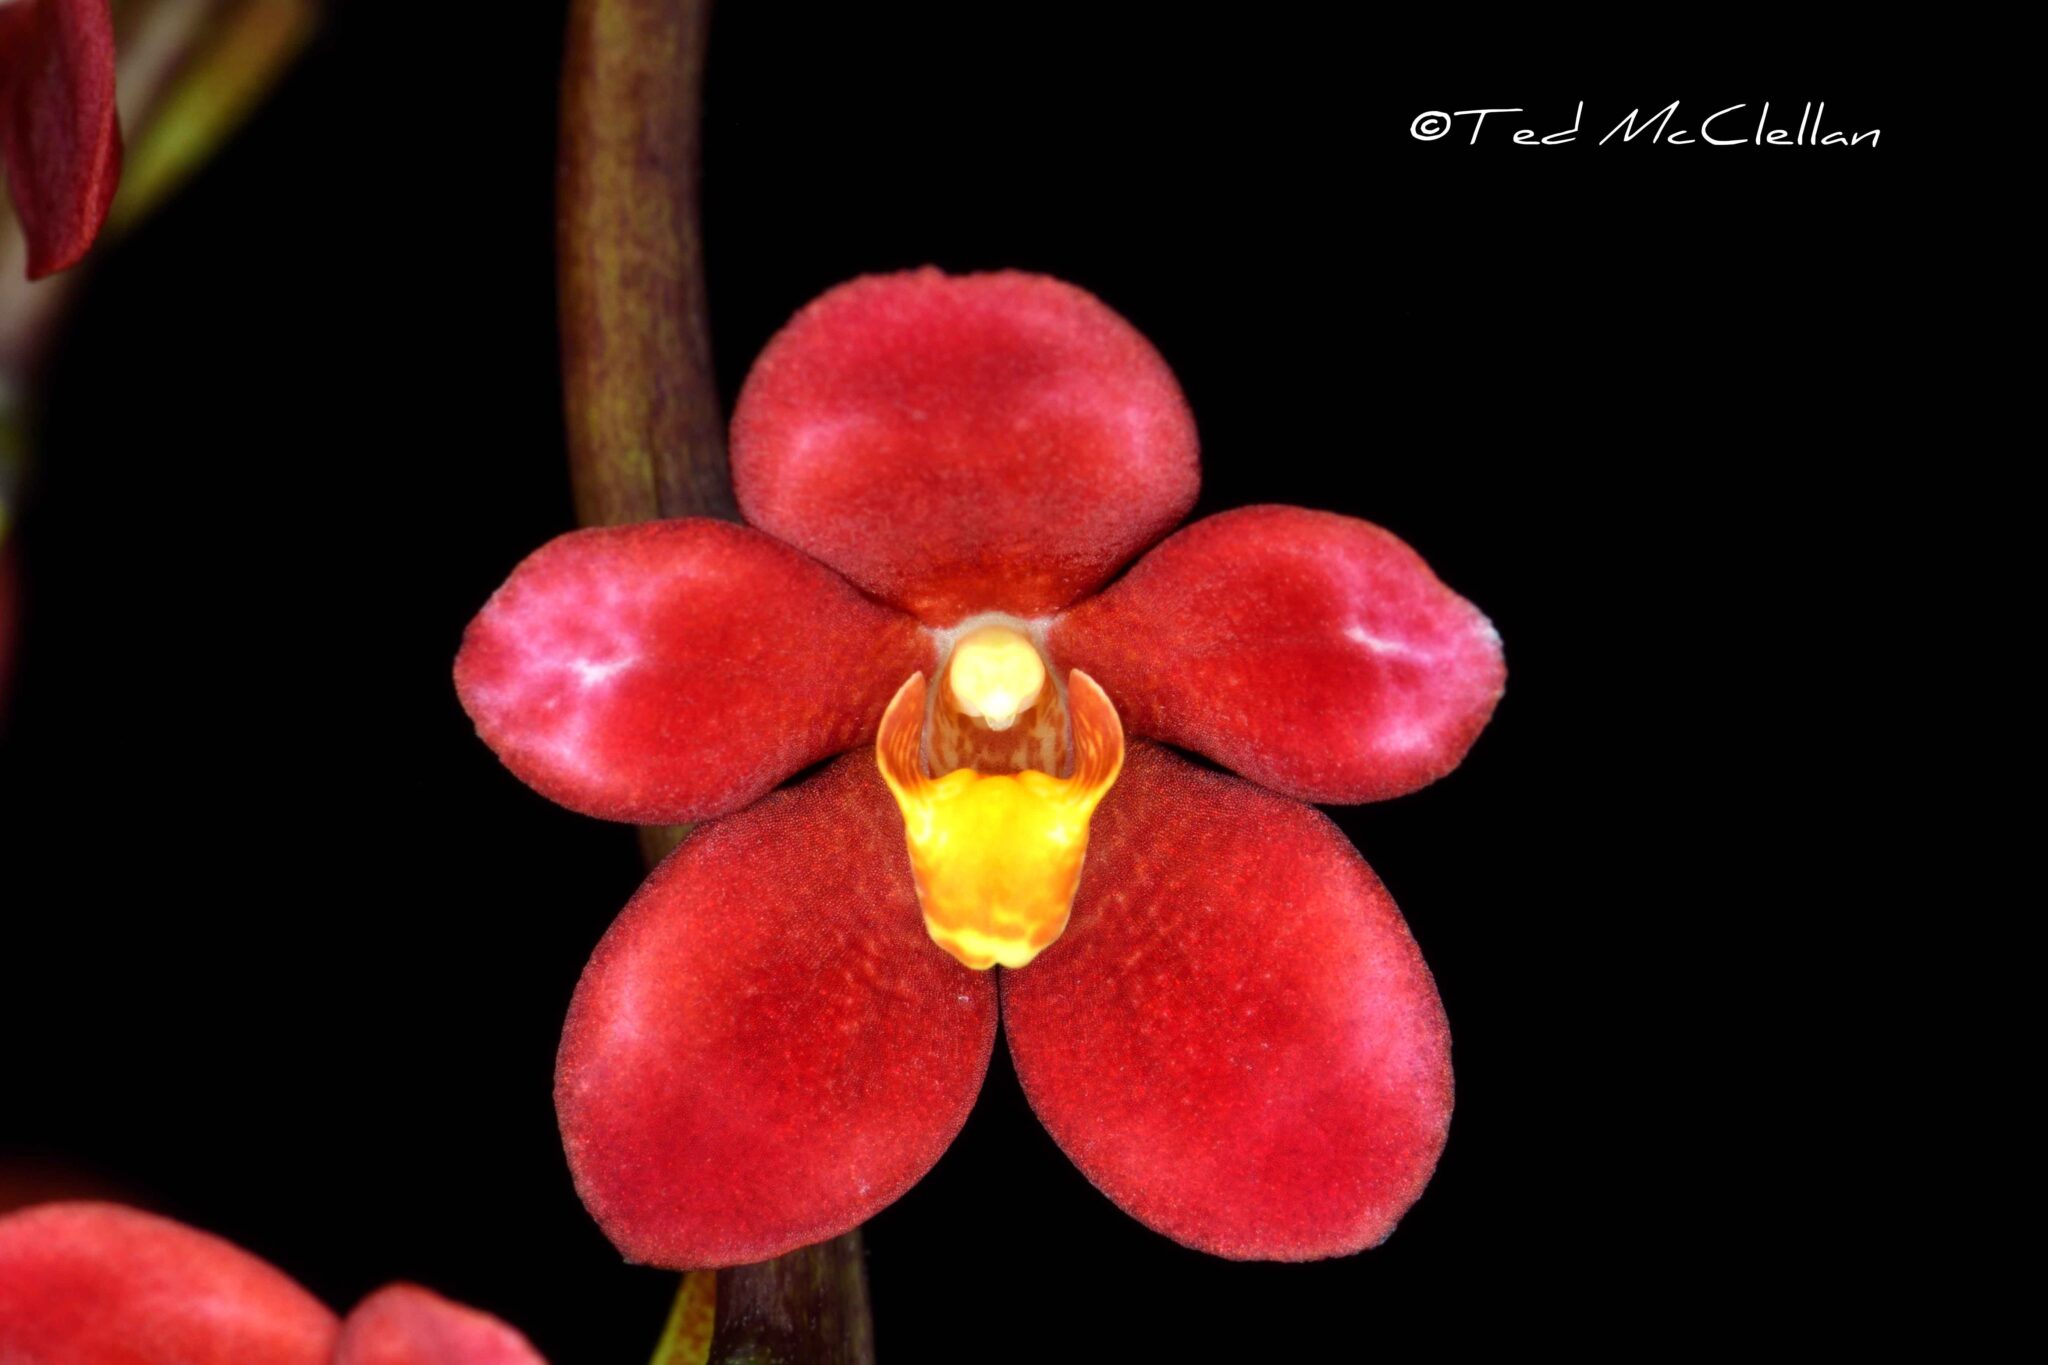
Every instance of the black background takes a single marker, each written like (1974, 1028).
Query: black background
(287, 951)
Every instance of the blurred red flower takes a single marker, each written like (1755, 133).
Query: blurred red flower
(103, 1284)
(60, 139)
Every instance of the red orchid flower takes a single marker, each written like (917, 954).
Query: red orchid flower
(102, 1284)
(59, 136)
(1233, 1036)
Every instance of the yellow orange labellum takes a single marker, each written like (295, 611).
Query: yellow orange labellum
(997, 856)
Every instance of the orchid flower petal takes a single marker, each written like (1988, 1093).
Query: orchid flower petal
(100, 1284)
(402, 1324)
(1312, 653)
(1236, 1039)
(766, 1048)
(59, 135)
(676, 670)
(963, 444)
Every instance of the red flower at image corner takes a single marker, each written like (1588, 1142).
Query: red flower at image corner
(1234, 1036)
(102, 1284)
(60, 139)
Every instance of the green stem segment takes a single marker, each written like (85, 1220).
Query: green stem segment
(647, 440)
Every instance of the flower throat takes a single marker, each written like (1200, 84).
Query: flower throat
(997, 838)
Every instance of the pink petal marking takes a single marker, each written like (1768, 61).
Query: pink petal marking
(403, 1324)
(963, 444)
(766, 1048)
(100, 1284)
(1312, 653)
(1237, 1039)
(59, 136)
(676, 670)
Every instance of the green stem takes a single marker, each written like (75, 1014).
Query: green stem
(191, 72)
(647, 440)
(687, 1338)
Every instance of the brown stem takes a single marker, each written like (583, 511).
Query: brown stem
(809, 1306)
(647, 440)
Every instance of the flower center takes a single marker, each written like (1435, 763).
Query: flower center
(995, 709)
(994, 673)
(996, 845)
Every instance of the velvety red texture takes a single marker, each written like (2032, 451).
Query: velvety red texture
(403, 1324)
(676, 670)
(767, 1048)
(959, 444)
(1314, 654)
(1236, 1039)
(99, 1284)
(59, 135)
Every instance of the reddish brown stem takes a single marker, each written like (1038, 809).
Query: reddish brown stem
(646, 438)
(807, 1308)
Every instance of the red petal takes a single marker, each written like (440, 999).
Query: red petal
(1313, 653)
(957, 445)
(767, 1048)
(677, 670)
(403, 1324)
(1236, 1039)
(100, 1284)
(58, 131)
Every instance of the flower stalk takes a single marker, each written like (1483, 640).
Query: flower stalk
(647, 441)
(687, 1338)
(811, 1305)
(646, 437)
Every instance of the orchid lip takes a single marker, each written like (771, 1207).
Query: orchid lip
(996, 846)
